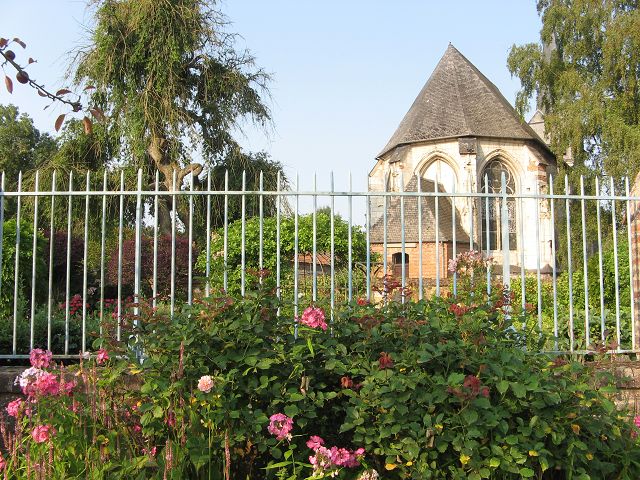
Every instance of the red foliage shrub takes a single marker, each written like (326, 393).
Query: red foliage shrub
(60, 257)
(146, 264)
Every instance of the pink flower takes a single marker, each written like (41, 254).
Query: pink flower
(3, 463)
(280, 425)
(102, 356)
(636, 421)
(137, 428)
(15, 407)
(313, 317)
(152, 452)
(42, 433)
(315, 442)
(205, 384)
(40, 358)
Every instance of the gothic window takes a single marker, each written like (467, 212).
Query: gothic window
(491, 182)
(441, 171)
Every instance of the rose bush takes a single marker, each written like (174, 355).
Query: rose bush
(229, 388)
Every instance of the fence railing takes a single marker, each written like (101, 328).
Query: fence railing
(74, 252)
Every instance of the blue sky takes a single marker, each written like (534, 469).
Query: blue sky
(344, 72)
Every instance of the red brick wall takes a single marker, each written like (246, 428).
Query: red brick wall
(428, 258)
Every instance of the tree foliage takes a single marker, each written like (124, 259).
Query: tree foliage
(169, 79)
(22, 146)
(587, 81)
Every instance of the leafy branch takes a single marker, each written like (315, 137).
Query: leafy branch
(22, 76)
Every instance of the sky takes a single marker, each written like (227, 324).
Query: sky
(344, 73)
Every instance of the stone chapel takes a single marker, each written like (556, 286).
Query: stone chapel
(460, 136)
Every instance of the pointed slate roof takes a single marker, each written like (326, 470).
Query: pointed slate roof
(459, 101)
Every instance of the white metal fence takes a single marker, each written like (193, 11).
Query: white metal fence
(568, 255)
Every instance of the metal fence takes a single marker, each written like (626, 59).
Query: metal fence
(73, 250)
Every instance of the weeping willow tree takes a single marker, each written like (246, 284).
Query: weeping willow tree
(173, 88)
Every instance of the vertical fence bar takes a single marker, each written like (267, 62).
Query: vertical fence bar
(615, 260)
(333, 249)
(278, 292)
(17, 267)
(603, 326)
(120, 239)
(554, 266)
(569, 262)
(368, 230)
(34, 254)
(225, 277)
(156, 206)
(174, 215)
(523, 279)
(207, 285)
(261, 214)
(486, 226)
(585, 268)
(138, 246)
(538, 276)
(454, 229)
(419, 202)
(295, 257)
(243, 233)
(350, 240)
(84, 262)
(630, 253)
(190, 236)
(314, 220)
(403, 272)
(51, 249)
(103, 228)
(384, 228)
(68, 285)
(504, 220)
(436, 201)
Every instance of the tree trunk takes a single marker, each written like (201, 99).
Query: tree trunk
(158, 152)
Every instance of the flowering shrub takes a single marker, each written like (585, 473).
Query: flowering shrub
(230, 389)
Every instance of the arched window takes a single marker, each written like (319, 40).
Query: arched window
(440, 171)
(491, 182)
(396, 264)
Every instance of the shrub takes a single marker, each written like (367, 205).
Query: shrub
(146, 259)
(59, 273)
(445, 388)
(25, 264)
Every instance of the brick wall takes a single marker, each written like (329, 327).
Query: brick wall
(429, 266)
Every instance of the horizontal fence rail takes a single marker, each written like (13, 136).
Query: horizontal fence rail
(82, 255)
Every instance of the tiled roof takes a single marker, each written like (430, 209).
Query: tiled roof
(458, 101)
(428, 204)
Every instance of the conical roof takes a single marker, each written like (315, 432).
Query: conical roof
(459, 101)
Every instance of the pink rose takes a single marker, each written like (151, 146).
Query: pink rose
(280, 425)
(102, 356)
(40, 358)
(315, 442)
(14, 408)
(205, 384)
(313, 317)
(42, 433)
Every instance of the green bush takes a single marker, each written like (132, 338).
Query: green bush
(25, 264)
(444, 389)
